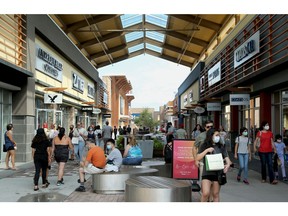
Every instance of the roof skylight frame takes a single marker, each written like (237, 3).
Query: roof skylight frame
(132, 36)
(128, 20)
(136, 48)
(157, 19)
(154, 48)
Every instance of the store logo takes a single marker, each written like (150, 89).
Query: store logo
(245, 51)
(239, 99)
(52, 98)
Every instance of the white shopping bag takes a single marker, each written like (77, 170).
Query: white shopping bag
(214, 162)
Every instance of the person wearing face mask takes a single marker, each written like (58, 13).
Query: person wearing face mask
(210, 182)
(243, 153)
(265, 151)
(114, 158)
(280, 151)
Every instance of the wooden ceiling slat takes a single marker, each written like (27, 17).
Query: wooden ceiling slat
(92, 20)
(195, 19)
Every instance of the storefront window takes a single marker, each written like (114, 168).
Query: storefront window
(225, 120)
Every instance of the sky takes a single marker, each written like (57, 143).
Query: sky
(154, 81)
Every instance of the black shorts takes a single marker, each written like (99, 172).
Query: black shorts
(10, 148)
(210, 177)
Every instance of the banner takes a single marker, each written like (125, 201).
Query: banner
(183, 162)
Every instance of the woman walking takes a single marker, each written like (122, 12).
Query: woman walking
(60, 146)
(10, 145)
(210, 182)
(41, 156)
(265, 150)
(243, 153)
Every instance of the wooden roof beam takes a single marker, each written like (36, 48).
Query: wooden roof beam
(92, 20)
(101, 39)
(195, 19)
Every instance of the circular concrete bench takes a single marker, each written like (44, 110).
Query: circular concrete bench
(157, 189)
(114, 182)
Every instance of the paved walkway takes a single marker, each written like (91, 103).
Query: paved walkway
(17, 186)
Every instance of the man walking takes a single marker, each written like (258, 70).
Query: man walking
(106, 134)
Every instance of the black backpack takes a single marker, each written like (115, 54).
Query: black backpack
(168, 153)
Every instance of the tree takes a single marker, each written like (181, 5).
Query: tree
(146, 120)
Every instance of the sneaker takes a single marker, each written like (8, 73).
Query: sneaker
(58, 183)
(80, 189)
(238, 178)
(79, 180)
(246, 182)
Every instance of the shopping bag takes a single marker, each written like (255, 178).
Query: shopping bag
(75, 140)
(214, 162)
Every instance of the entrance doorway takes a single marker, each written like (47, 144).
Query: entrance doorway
(48, 117)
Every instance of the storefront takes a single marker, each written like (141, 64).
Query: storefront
(248, 75)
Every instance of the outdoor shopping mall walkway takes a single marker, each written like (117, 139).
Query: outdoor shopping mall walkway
(17, 186)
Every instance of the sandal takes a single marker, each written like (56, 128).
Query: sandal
(274, 182)
(36, 188)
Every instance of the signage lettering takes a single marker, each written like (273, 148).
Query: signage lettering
(49, 59)
(78, 82)
(50, 70)
(245, 51)
(239, 99)
(91, 90)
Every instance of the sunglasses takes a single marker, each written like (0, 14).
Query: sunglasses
(209, 126)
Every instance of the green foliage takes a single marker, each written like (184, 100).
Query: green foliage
(146, 120)
(157, 145)
(120, 142)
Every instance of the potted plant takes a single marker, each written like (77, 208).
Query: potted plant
(157, 148)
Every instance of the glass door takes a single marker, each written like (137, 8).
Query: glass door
(48, 117)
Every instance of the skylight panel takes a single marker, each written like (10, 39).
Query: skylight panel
(153, 48)
(136, 48)
(155, 36)
(157, 19)
(130, 19)
(133, 36)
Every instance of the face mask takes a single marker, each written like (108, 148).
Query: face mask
(109, 147)
(266, 127)
(279, 140)
(90, 129)
(216, 139)
(245, 133)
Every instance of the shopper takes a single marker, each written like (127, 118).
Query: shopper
(94, 162)
(98, 137)
(11, 146)
(60, 148)
(243, 153)
(181, 133)
(106, 134)
(196, 131)
(80, 135)
(280, 151)
(223, 134)
(41, 155)
(210, 178)
(132, 154)
(114, 158)
(264, 139)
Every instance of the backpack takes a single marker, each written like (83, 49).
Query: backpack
(168, 153)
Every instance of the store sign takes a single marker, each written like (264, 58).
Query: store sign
(185, 99)
(199, 110)
(239, 99)
(91, 90)
(214, 74)
(96, 111)
(183, 163)
(48, 64)
(191, 96)
(106, 115)
(53, 98)
(86, 108)
(105, 98)
(202, 84)
(78, 83)
(213, 106)
(247, 50)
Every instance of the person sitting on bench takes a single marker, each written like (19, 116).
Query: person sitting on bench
(114, 158)
(94, 162)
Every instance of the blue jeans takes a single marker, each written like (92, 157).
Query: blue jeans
(78, 150)
(132, 161)
(266, 159)
(243, 162)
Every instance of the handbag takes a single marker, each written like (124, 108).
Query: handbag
(75, 140)
(214, 162)
(4, 148)
(222, 179)
(257, 141)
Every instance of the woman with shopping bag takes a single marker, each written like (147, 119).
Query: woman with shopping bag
(213, 152)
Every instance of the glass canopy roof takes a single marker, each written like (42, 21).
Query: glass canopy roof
(130, 20)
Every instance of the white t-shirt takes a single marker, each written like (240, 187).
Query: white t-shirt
(243, 143)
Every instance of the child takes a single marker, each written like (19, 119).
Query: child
(280, 150)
